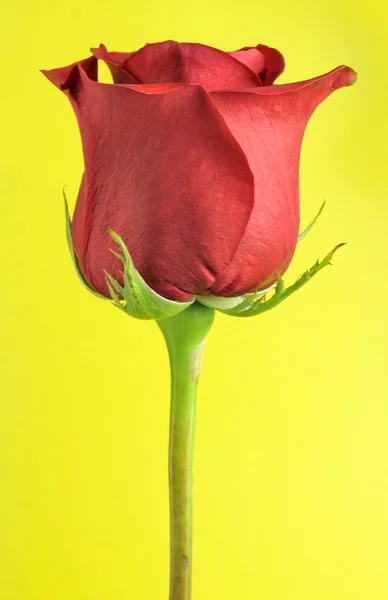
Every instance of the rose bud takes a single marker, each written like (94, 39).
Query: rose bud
(192, 158)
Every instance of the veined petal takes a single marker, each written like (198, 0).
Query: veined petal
(164, 172)
(269, 123)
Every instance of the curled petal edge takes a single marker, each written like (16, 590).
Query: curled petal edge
(339, 77)
(60, 76)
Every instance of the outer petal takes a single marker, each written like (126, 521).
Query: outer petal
(267, 62)
(165, 173)
(269, 124)
(59, 76)
(174, 62)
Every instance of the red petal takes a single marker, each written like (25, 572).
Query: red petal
(315, 89)
(102, 53)
(154, 88)
(173, 62)
(269, 124)
(252, 58)
(275, 64)
(164, 172)
(267, 62)
(59, 76)
(114, 61)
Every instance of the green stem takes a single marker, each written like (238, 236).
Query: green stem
(185, 336)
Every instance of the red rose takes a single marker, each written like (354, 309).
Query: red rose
(192, 157)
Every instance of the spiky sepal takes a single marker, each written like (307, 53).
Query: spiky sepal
(135, 297)
(255, 304)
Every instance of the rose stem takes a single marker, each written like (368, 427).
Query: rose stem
(185, 336)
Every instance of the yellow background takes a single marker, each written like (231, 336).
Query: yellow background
(291, 465)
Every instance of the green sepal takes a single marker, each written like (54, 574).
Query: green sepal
(309, 227)
(136, 298)
(72, 253)
(219, 302)
(260, 304)
(234, 302)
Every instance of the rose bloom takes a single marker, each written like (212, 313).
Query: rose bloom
(192, 157)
